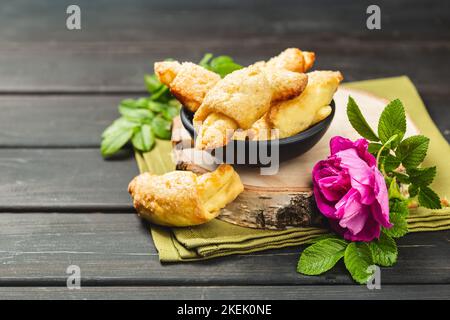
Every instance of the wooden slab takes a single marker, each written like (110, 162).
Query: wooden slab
(117, 250)
(284, 199)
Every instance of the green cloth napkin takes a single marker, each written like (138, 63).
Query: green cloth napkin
(218, 238)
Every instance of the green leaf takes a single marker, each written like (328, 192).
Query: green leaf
(399, 228)
(162, 94)
(204, 62)
(422, 176)
(152, 83)
(156, 107)
(429, 199)
(144, 139)
(131, 103)
(412, 150)
(392, 121)
(413, 190)
(394, 190)
(391, 163)
(401, 177)
(135, 113)
(358, 121)
(399, 207)
(357, 259)
(112, 143)
(224, 65)
(374, 147)
(321, 256)
(221, 65)
(161, 127)
(170, 112)
(142, 102)
(119, 125)
(384, 251)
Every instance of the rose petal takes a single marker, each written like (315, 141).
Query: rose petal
(361, 174)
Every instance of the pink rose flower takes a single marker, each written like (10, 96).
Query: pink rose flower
(350, 190)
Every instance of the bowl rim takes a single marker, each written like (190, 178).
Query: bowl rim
(186, 119)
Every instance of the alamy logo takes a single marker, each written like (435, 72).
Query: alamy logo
(74, 278)
(73, 21)
(374, 20)
(374, 281)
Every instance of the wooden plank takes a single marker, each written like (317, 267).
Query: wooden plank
(120, 67)
(116, 249)
(338, 292)
(112, 54)
(64, 179)
(142, 20)
(55, 120)
(78, 120)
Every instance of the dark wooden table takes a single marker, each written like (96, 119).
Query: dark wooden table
(61, 204)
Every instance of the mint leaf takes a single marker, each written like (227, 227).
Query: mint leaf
(399, 228)
(384, 251)
(224, 65)
(412, 150)
(204, 62)
(392, 121)
(221, 65)
(429, 199)
(161, 127)
(135, 113)
(358, 121)
(112, 143)
(321, 256)
(422, 176)
(357, 259)
(119, 125)
(143, 139)
(170, 112)
(152, 83)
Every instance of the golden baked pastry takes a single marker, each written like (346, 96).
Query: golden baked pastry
(244, 96)
(188, 82)
(293, 116)
(182, 198)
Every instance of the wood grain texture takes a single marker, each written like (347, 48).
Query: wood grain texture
(40, 59)
(116, 249)
(64, 179)
(55, 120)
(324, 292)
(112, 55)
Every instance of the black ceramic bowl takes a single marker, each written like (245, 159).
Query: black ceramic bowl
(287, 148)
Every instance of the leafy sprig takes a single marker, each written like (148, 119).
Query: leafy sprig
(397, 157)
(145, 119)
(400, 162)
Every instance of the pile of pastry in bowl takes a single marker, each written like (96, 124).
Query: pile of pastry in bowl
(266, 100)
(271, 99)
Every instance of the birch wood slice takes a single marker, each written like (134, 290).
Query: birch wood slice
(285, 199)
